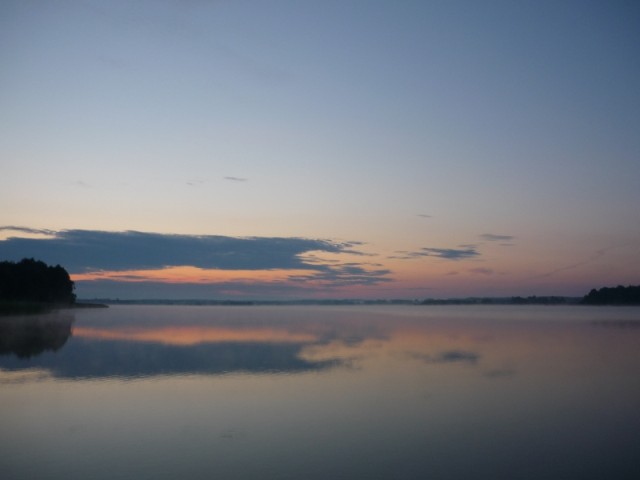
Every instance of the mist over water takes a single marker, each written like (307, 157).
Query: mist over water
(315, 392)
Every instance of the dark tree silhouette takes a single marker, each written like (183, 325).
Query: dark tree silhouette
(31, 280)
(613, 296)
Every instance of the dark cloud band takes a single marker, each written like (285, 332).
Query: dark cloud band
(82, 251)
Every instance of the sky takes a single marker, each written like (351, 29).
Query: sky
(335, 149)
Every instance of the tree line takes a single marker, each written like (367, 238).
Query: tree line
(32, 280)
(613, 296)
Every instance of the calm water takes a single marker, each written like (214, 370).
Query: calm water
(138, 392)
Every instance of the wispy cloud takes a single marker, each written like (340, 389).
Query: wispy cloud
(465, 251)
(236, 179)
(346, 274)
(450, 253)
(492, 237)
(424, 215)
(483, 271)
(195, 182)
(449, 356)
(32, 231)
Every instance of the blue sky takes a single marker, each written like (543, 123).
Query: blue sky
(416, 129)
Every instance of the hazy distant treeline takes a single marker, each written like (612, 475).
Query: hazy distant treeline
(531, 300)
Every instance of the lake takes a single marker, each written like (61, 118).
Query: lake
(321, 392)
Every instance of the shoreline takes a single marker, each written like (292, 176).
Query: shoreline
(8, 308)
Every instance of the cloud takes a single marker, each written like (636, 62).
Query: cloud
(424, 215)
(492, 237)
(483, 271)
(468, 251)
(82, 250)
(85, 251)
(236, 179)
(34, 231)
(453, 356)
(345, 274)
(450, 253)
(449, 356)
(195, 182)
(461, 252)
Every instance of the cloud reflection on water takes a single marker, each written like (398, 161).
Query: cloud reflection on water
(450, 392)
(148, 350)
(133, 342)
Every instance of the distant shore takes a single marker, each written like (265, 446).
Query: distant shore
(345, 302)
(606, 296)
(88, 305)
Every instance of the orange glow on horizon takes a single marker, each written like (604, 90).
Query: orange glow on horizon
(189, 274)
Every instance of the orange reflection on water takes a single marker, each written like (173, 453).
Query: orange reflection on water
(193, 335)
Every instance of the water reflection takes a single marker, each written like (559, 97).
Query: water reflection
(316, 393)
(128, 348)
(132, 342)
(30, 335)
